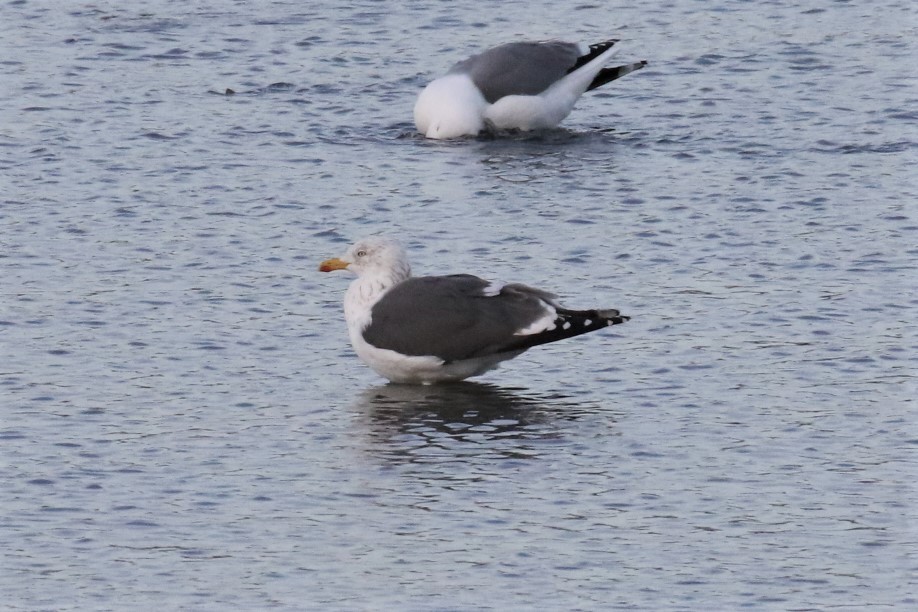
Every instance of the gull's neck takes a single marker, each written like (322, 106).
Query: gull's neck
(367, 289)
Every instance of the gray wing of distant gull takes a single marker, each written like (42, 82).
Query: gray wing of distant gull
(519, 68)
(459, 317)
(529, 68)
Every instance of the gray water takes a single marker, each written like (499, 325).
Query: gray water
(184, 425)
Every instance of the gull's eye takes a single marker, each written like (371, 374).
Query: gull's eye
(362, 253)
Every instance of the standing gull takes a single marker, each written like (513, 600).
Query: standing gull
(521, 85)
(445, 328)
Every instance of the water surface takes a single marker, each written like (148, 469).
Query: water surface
(185, 426)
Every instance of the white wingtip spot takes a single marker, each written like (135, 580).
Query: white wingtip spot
(566, 325)
(587, 322)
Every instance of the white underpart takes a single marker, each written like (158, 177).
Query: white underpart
(424, 370)
(550, 107)
(452, 106)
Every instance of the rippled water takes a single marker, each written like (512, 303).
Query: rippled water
(184, 424)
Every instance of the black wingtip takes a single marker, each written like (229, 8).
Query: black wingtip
(595, 51)
(609, 316)
(607, 75)
(570, 323)
(616, 320)
(599, 47)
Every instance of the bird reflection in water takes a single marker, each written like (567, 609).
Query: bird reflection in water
(464, 420)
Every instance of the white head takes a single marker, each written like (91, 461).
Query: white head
(376, 256)
(450, 107)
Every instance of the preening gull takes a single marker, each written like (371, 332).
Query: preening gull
(445, 328)
(520, 85)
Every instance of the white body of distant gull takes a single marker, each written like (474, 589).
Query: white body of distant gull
(520, 85)
(445, 328)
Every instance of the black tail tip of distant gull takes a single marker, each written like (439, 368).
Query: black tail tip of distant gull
(595, 51)
(607, 75)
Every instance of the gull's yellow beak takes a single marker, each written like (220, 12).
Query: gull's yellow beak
(330, 265)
